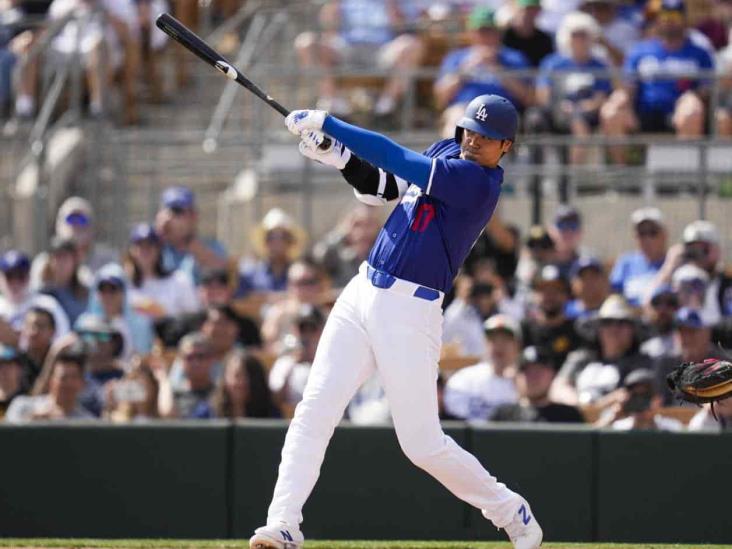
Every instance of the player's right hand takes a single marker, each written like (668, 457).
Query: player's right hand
(337, 155)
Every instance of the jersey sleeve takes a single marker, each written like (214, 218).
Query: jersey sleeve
(463, 183)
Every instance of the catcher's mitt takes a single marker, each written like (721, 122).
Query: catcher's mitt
(702, 382)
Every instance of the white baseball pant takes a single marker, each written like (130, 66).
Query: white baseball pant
(399, 336)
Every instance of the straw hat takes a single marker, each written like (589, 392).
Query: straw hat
(278, 219)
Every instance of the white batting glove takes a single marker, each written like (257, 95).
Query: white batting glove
(337, 155)
(300, 121)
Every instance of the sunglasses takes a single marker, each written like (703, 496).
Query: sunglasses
(665, 302)
(305, 282)
(77, 219)
(648, 233)
(178, 210)
(215, 281)
(616, 322)
(107, 288)
(569, 225)
(273, 236)
(695, 285)
(191, 357)
(95, 337)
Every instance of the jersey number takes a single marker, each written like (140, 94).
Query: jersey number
(425, 214)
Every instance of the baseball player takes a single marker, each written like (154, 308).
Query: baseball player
(388, 319)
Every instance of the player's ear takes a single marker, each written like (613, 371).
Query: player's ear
(506, 145)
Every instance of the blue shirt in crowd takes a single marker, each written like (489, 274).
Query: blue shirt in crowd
(483, 81)
(659, 93)
(571, 79)
(632, 274)
(175, 259)
(259, 277)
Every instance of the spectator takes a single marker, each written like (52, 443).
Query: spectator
(590, 288)
(290, 372)
(571, 88)
(482, 67)
(538, 252)
(617, 33)
(566, 233)
(343, 250)
(523, 35)
(638, 407)
(553, 12)
(723, 115)
(11, 377)
(110, 300)
(701, 247)
(278, 241)
(66, 383)
(7, 61)
(704, 420)
(61, 278)
(474, 392)
(176, 223)
(16, 298)
(500, 244)
(36, 337)
(633, 271)
(691, 285)
(133, 398)
(716, 22)
(104, 346)
(191, 398)
(307, 284)
(214, 292)
(659, 315)
(694, 340)
(75, 221)
(221, 327)
(156, 291)
(361, 33)
(463, 320)
(533, 380)
(594, 372)
(546, 324)
(243, 391)
(662, 91)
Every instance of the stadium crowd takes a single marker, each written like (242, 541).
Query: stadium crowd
(535, 329)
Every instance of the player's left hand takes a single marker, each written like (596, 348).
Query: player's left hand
(300, 121)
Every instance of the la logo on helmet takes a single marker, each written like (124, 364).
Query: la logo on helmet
(482, 114)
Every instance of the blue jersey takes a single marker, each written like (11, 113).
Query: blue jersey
(483, 81)
(659, 93)
(429, 234)
(632, 275)
(573, 80)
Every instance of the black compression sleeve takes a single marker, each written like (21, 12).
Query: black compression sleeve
(364, 177)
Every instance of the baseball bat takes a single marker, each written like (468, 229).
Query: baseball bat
(196, 45)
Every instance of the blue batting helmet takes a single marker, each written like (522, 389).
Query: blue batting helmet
(489, 115)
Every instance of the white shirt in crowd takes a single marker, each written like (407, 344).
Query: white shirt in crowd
(291, 376)
(170, 296)
(662, 424)
(474, 392)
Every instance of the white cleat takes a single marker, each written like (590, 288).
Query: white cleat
(524, 531)
(277, 536)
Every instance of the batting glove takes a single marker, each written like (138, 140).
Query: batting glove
(300, 121)
(337, 155)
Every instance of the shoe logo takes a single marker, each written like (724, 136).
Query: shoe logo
(286, 535)
(525, 517)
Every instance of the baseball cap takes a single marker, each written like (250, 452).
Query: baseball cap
(481, 17)
(646, 214)
(689, 273)
(567, 216)
(143, 232)
(549, 274)
(503, 323)
(700, 231)
(61, 244)
(535, 355)
(538, 237)
(615, 307)
(8, 353)
(178, 197)
(13, 260)
(584, 263)
(663, 290)
(638, 377)
(109, 278)
(687, 317)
